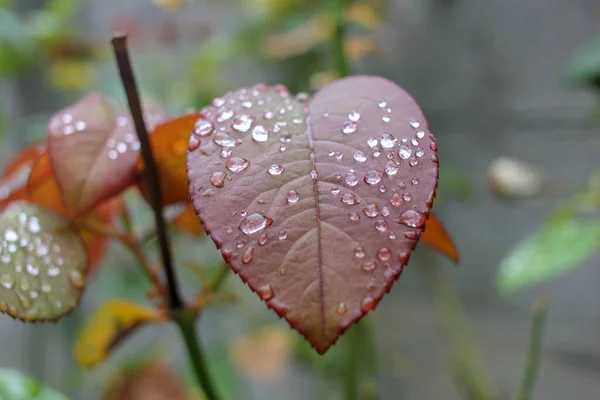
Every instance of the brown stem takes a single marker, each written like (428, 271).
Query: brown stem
(152, 181)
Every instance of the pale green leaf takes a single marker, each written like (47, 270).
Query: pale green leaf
(16, 386)
(42, 263)
(560, 245)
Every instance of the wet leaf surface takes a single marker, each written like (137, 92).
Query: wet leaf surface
(316, 204)
(93, 150)
(42, 263)
(107, 327)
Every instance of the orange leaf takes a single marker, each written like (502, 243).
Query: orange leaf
(24, 159)
(436, 237)
(169, 144)
(189, 222)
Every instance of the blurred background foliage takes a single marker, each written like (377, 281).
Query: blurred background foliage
(44, 43)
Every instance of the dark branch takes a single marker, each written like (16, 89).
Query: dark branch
(119, 43)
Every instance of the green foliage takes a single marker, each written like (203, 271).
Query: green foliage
(16, 386)
(560, 245)
(583, 68)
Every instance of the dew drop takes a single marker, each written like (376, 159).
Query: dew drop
(412, 218)
(7, 281)
(354, 217)
(260, 134)
(254, 223)
(359, 156)
(275, 169)
(392, 235)
(391, 168)
(338, 156)
(384, 254)
(11, 236)
(53, 271)
(314, 176)
(359, 252)
(402, 185)
(415, 180)
(226, 152)
(32, 269)
(351, 179)
(282, 148)
(76, 278)
(34, 225)
(404, 152)
(203, 127)
(368, 266)
(407, 196)
(372, 142)
(341, 309)
(338, 176)
(194, 143)
(335, 190)
(282, 235)
(218, 179)
(293, 196)
(225, 115)
(354, 116)
(413, 162)
(239, 244)
(349, 127)
(268, 115)
(373, 177)
(247, 104)
(385, 211)
(297, 121)
(414, 124)
(376, 152)
(265, 292)
(433, 146)
(382, 104)
(218, 101)
(411, 235)
(224, 140)
(382, 188)
(262, 240)
(386, 118)
(243, 122)
(381, 225)
(282, 271)
(387, 141)
(372, 210)
(349, 199)
(420, 134)
(368, 304)
(237, 164)
(247, 256)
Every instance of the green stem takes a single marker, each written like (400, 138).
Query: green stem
(350, 368)
(468, 366)
(338, 48)
(186, 322)
(540, 311)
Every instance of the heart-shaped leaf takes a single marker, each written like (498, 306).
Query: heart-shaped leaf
(110, 324)
(316, 204)
(42, 263)
(93, 150)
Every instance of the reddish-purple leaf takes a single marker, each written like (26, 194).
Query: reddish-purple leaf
(93, 150)
(316, 204)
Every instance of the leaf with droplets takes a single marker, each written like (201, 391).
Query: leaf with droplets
(169, 144)
(93, 150)
(42, 263)
(436, 237)
(110, 324)
(316, 204)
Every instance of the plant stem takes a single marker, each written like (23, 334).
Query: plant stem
(538, 318)
(338, 42)
(153, 183)
(183, 317)
(470, 372)
(186, 321)
(350, 368)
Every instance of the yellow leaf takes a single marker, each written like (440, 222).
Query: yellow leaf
(363, 15)
(111, 323)
(299, 40)
(357, 48)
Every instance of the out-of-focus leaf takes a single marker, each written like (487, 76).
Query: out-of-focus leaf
(364, 15)
(17, 47)
(303, 38)
(16, 386)
(559, 246)
(170, 5)
(93, 152)
(169, 145)
(107, 327)
(72, 75)
(153, 381)
(105, 214)
(42, 263)
(436, 237)
(264, 354)
(359, 47)
(314, 203)
(583, 68)
(188, 221)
